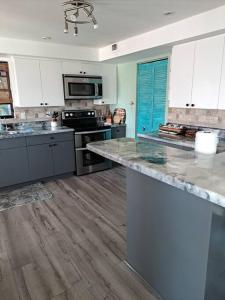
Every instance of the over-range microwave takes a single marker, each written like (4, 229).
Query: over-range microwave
(78, 87)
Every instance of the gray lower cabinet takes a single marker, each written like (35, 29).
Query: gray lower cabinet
(63, 157)
(40, 161)
(14, 166)
(118, 131)
(51, 157)
(36, 157)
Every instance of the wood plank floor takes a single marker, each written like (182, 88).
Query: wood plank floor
(72, 246)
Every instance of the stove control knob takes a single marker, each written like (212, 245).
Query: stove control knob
(93, 113)
(71, 114)
(67, 115)
(89, 113)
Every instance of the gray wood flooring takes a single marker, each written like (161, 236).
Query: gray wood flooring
(72, 246)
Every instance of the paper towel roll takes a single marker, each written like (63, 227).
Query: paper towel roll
(206, 142)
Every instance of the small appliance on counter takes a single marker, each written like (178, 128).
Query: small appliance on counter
(6, 111)
(87, 129)
(119, 116)
(170, 128)
(206, 142)
(178, 130)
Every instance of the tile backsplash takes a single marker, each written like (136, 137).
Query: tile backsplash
(197, 117)
(41, 112)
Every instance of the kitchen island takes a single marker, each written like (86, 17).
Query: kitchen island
(175, 217)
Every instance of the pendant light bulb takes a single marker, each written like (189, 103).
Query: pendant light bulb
(75, 31)
(94, 21)
(66, 28)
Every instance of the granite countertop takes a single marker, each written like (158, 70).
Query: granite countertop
(172, 139)
(178, 140)
(32, 132)
(201, 175)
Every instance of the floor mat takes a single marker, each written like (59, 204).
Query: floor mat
(20, 196)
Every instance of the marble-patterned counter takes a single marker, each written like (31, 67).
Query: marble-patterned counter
(201, 175)
(32, 132)
(178, 141)
(170, 139)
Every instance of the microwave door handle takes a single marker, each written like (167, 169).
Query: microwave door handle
(96, 90)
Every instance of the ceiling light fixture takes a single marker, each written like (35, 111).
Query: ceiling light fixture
(74, 11)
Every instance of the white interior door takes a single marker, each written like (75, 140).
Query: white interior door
(207, 72)
(181, 75)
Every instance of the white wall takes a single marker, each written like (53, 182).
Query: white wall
(127, 78)
(43, 49)
(202, 25)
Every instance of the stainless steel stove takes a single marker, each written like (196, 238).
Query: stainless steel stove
(87, 130)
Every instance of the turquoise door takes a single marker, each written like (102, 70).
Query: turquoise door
(151, 95)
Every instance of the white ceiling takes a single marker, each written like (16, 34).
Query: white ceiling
(118, 19)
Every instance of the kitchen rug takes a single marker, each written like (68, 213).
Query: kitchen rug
(20, 196)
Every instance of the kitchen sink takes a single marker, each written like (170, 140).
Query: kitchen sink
(15, 132)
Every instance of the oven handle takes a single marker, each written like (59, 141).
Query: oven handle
(81, 149)
(90, 132)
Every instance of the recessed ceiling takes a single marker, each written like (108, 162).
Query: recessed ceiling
(118, 19)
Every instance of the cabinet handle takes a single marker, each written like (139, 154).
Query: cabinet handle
(192, 105)
(187, 104)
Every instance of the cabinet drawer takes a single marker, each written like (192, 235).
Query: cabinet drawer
(48, 138)
(118, 132)
(13, 143)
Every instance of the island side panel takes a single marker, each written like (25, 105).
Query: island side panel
(215, 284)
(168, 237)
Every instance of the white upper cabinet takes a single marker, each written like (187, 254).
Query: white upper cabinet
(38, 83)
(91, 69)
(207, 72)
(52, 83)
(109, 80)
(195, 77)
(81, 68)
(221, 104)
(181, 75)
(28, 90)
(72, 67)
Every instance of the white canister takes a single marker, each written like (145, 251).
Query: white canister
(206, 142)
(54, 124)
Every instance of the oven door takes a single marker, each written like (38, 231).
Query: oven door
(83, 138)
(88, 162)
(81, 88)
